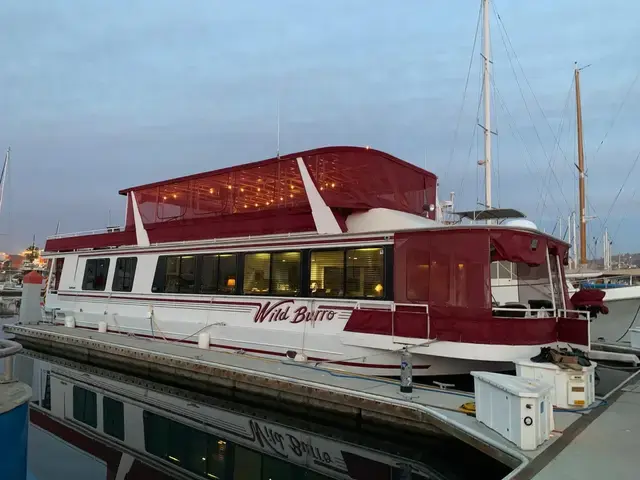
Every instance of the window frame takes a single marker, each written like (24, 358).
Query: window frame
(56, 274)
(87, 394)
(120, 427)
(134, 261)
(387, 272)
(217, 277)
(107, 261)
(387, 277)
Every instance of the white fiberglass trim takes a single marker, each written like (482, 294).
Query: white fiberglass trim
(141, 234)
(322, 215)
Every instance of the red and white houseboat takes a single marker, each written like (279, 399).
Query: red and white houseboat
(333, 256)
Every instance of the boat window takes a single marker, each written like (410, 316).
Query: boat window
(227, 273)
(209, 274)
(285, 273)
(365, 273)
(124, 274)
(180, 274)
(218, 274)
(58, 264)
(95, 274)
(85, 407)
(257, 273)
(327, 273)
(113, 417)
(194, 450)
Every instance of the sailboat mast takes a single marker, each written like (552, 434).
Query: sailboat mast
(581, 186)
(486, 56)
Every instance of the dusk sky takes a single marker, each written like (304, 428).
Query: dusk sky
(96, 96)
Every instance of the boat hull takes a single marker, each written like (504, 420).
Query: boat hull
(249, 328)
(624, 313)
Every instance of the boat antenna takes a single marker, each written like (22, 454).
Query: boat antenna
(278, 134)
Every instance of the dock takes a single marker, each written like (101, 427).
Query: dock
(309, 389)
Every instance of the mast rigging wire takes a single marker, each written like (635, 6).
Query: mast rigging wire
(464, 94)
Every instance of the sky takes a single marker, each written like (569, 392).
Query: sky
(98, 96)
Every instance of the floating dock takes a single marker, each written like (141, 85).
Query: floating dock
(312, 389)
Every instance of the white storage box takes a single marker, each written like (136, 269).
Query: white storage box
(517, 408)
(571, 388)
(634, 333)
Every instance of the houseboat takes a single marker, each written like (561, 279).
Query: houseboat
(334, 257)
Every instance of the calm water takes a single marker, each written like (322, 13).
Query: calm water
(90, 423)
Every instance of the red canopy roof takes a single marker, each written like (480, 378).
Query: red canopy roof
(269, 196)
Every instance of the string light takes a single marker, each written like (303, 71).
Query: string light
(211, 190)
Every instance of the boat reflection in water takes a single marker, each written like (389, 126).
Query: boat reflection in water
(144, 430)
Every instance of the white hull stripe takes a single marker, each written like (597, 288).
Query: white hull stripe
(277, 354)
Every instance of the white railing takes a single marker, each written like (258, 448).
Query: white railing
(611, 282)
(528, 312)
(87, 232)
(374, 305)
(585, 314)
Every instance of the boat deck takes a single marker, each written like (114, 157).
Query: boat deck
(312, 387)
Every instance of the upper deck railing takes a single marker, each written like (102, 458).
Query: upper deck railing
(616, 281)
(87, 232)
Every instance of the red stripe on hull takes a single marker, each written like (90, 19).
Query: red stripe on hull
(268, 352)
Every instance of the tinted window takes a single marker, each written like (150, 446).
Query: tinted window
(113, 417)
(124, 274)
(209, 274)
(218, 273)
(365, 273)
(285, 273)
(327, 274)
(95, 274)
(257, 273)
(85, 407)
(227, 273)
(191, 449)
(56, 274)
(180, 274)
